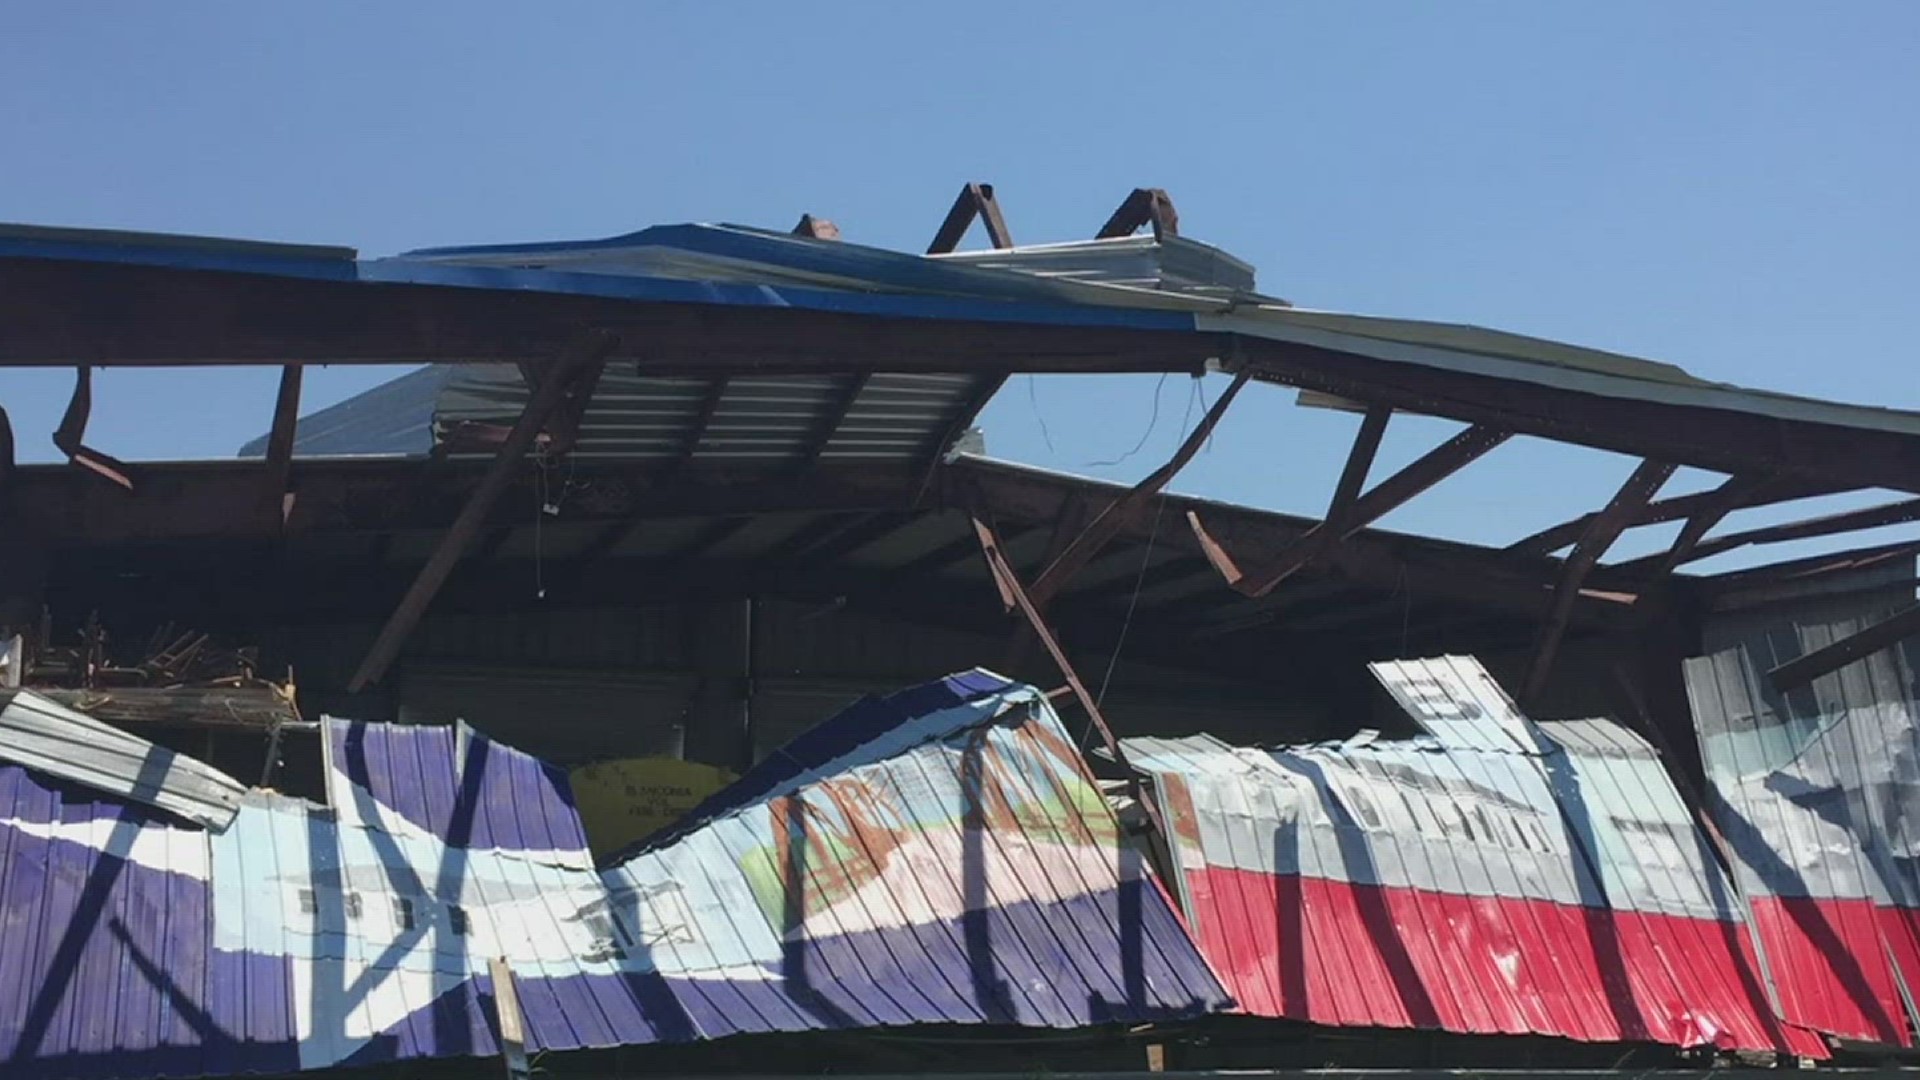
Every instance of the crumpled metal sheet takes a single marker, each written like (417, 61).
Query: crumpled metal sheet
(1818, 794)
(70, 745)
(1462, 880)
(972, 874)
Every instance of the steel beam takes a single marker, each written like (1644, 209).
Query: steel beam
(1142, 206)
(453, 544)
(1126, 508)
(974, 201)
(1607, 526)
(1827, 659)
(286, 415)
(1776, 490)
(835, 415)
(1395, 491)
(1872, 517)
(1014, 596)
(1353, 476)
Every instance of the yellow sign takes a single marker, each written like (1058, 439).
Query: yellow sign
(623, 801)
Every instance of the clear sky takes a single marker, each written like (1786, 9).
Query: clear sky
(1734, 187)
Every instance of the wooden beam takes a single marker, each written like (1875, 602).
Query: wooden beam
(1353, 477)
(1827, 659)
(1633, 496)
(1142, 206)
(835, 415)
(1118, 513)
(454, 543)
(506, 1008)
(286, 415)
(974, 201)
(1395, 491)
(697, 431)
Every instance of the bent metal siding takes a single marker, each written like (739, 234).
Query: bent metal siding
(973, 874)
(1817, 792)
(1493, 876)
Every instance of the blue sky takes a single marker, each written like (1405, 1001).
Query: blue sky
(1734, 187)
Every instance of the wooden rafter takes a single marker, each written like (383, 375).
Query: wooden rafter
(1606, 527)
(974, 201)
(1827, 659)
(1127, 507)
(459, 536)
(1395, 491)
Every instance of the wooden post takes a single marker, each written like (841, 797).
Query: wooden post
(506, 1006)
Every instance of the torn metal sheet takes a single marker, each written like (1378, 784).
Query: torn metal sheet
(1818, 794)
(971, 875)
(1460, 881)
(55, 740)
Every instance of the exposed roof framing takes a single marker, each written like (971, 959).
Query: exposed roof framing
(974, 201)
(1395, 491)
(1759, 492)
(1143, 206)
(1884, 634)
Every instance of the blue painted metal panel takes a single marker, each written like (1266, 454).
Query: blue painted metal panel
(959, 866)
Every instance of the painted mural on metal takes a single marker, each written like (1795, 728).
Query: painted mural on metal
(1491, 876)
(1817, 792)
(969, 874)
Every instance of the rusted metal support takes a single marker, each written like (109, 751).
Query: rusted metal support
(563, 429)
(1728, 497)
(1072, 520)
(1872, 517)
(1142, 206)
(1353, 477)
(1660, 511)
(286, 415)
(816, 228)
(1827, 659)
(1606, 527)
(1123, 510)
(835, 415)
(1015, 597)
(73, 429)
(710, 404)
(1389, 494)
(460, 534)
(974, 201)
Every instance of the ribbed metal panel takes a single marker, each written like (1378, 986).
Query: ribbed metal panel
(1817, 792)
(60, 742)
(1463, 883)
(956, 867)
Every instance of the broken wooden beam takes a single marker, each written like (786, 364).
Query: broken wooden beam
(454, 542)
(1827, 659)
(1395, 491)
(1632, 497)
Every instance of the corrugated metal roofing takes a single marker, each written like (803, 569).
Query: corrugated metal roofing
(1817, 792)
(1458, 882)
(60, 742)
(966, 872)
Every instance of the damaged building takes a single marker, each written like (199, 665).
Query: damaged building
(665, 677)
